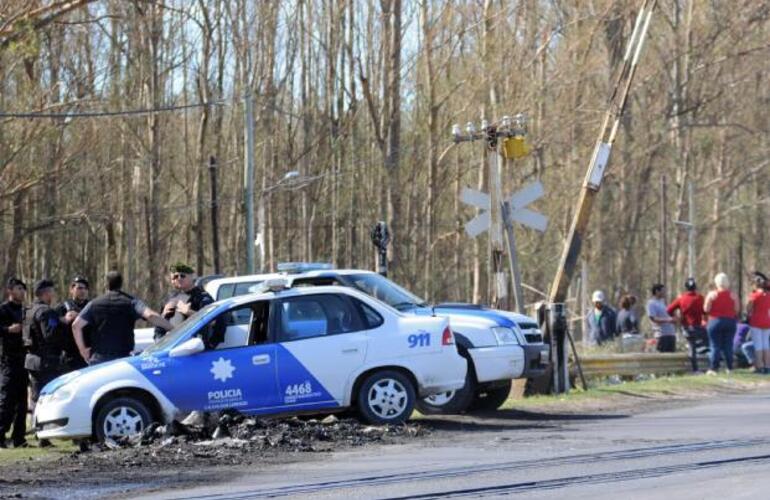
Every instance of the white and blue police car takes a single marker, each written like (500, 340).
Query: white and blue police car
(284, 351)
(498, 345)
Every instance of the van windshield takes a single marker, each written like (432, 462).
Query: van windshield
(385, 290)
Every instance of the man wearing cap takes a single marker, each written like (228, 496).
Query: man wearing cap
(185, 299)
(690, 306)
(600, 320)
(113, 316)
(68, 311)
(43, 337)
(13, 376)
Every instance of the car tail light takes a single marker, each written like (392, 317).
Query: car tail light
(447, 338)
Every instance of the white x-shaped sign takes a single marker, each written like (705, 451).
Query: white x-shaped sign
(518, 202)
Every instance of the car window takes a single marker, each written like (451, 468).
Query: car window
(222, 332)
(239, 316)
(372, 318)
(225, 291)
(316, 281)
(246, 287)
(315, 316)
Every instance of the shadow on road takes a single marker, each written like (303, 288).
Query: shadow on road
(471, 423)
(544, 417)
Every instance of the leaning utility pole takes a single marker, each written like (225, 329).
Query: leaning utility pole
(248, 179)
(555, 318)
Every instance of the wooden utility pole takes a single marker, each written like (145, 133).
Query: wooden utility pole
(498, 212)
(663, 254)
(555, 320)
(214, 215)
(498, 286)
(689, 226)
(691, 231)
(248, 180)
(740, 269)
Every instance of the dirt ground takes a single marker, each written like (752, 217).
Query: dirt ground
(181, 454)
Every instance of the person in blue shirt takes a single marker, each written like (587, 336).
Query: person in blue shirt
(600, 320)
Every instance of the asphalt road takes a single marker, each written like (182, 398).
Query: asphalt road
(716, 449)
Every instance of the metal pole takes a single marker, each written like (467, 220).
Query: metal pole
(214, 215)
(513, 260)
(248, 180)
(558, 330)
(691, 231)
(380, 238)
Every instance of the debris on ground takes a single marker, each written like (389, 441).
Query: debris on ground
(226, 436)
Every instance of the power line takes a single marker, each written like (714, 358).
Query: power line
(97, 114)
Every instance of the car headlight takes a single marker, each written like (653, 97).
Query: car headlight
(63, 393)
(505, 336)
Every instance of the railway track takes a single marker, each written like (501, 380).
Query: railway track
(519, 465)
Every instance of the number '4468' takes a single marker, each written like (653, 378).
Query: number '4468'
(418, 340)
(299, 389)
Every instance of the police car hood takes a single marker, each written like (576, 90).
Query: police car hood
(56, 383)
(470, 312)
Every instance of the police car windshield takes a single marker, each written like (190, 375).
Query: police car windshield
(181, 330)
(385, 290)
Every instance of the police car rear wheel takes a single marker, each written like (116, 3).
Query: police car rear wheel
(451, 402)
(386, 397)
(121, 418)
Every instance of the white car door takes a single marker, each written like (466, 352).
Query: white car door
(321, 340)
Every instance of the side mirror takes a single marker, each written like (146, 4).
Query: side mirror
(188, 347)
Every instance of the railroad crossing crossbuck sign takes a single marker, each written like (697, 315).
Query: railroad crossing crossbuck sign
(518, 202)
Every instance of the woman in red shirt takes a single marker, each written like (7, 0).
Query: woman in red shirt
(722, 307)
(758, 310)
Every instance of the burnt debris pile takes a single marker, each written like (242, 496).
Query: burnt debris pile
(234, 430)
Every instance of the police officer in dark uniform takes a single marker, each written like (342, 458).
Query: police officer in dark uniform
(68, 311)
(113, 316)
(43, 337)
(185, 299)
(13, 376)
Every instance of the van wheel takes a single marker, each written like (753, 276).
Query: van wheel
(386, 397)
(122, 417)
(450, 402)
(493, 398)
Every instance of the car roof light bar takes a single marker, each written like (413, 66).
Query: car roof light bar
(275, 285)
(303, 267)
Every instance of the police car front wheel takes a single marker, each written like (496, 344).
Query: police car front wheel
(122, 417)
(386, 397)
